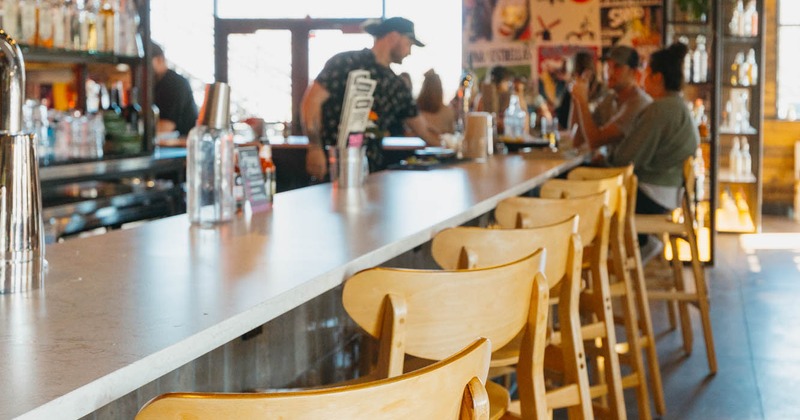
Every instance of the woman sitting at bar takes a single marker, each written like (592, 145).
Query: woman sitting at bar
(430, 103)
(663, 136)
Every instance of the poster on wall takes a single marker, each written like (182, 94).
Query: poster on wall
(497, 33)
(560, 29)
(636, 23)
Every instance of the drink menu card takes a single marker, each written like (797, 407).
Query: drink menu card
(255, 191)
(356, 107)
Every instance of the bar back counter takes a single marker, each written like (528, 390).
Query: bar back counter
(168, 307)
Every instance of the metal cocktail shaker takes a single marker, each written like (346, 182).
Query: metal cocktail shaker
(210, 165)
(21, 227)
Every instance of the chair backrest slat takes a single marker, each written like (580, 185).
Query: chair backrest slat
(447, 309)
(450, 389)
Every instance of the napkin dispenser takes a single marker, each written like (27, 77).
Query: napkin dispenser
(21, 226)
(478, 136)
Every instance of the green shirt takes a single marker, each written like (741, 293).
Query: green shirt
(663, 136)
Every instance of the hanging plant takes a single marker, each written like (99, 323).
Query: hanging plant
(698, 9)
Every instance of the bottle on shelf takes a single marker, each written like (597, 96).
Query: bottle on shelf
(752, 67)
(747, 159)
(28, 18)
(268, 169)
(743, 68)
(132, 113)
(700, 174)
(107, 20)
(60, 24)
(751, 14)
(700, 60)
(735, 159)
(45, 29)
(736, 25)
(738, 62)
(11, 18)
(687, 60)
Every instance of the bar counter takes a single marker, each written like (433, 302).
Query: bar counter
(119, 310)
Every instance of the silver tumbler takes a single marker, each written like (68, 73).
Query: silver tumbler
(21, 226)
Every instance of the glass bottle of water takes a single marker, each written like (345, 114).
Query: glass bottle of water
(209, 160)
(700, 61)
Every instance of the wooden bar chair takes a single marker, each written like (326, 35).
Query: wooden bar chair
(450, 389)
(630, 351)
(632, 265)
(681, 225)
(475, 248)
(431, 313)
(594, 224)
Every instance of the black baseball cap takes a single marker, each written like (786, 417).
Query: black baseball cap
(379, 28)
(623, 55)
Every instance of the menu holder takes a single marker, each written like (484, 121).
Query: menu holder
(255, 191)
(357, 104)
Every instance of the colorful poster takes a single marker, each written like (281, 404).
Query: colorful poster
(566, 22)
(497, 33)
(636, 23)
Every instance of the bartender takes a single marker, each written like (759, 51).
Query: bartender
(173, 97)
(322, 104)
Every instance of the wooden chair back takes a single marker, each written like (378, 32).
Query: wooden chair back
(629, 180)
(529, 212)
(473, 247)
(433, 313)
(450, 389)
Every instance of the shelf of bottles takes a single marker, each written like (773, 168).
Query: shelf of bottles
(65, 44)
(741, 116)
(695, 29)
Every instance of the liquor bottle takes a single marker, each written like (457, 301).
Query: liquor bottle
(700, 61)
(45, 27)
(744, 79)
(59, 28)
(747, 159)
(132, 113)
(107, 19)
(268, 168)
(11, 18)
(687, 60)
(752, 67)
(735, 159)
(28, 18)
(753, 18)
(699, 174)
(737, 61)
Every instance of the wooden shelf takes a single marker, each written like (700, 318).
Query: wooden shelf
(47, 55)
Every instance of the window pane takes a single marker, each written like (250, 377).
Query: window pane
(323, 44)
(260, 75)
(298, 9)
(788, 77)
(789, 12)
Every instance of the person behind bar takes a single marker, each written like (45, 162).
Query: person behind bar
(661, 139)
(613, 118)
(322, 103)
(173, 97)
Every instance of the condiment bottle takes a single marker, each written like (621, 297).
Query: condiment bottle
(268, 168)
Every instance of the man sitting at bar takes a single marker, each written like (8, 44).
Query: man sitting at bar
(613, 118)
(322, 104)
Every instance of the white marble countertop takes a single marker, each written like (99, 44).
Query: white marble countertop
(122, 309)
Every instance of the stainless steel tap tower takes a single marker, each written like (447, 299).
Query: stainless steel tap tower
(21, 227)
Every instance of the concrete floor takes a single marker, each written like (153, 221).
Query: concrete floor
(755, 310)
